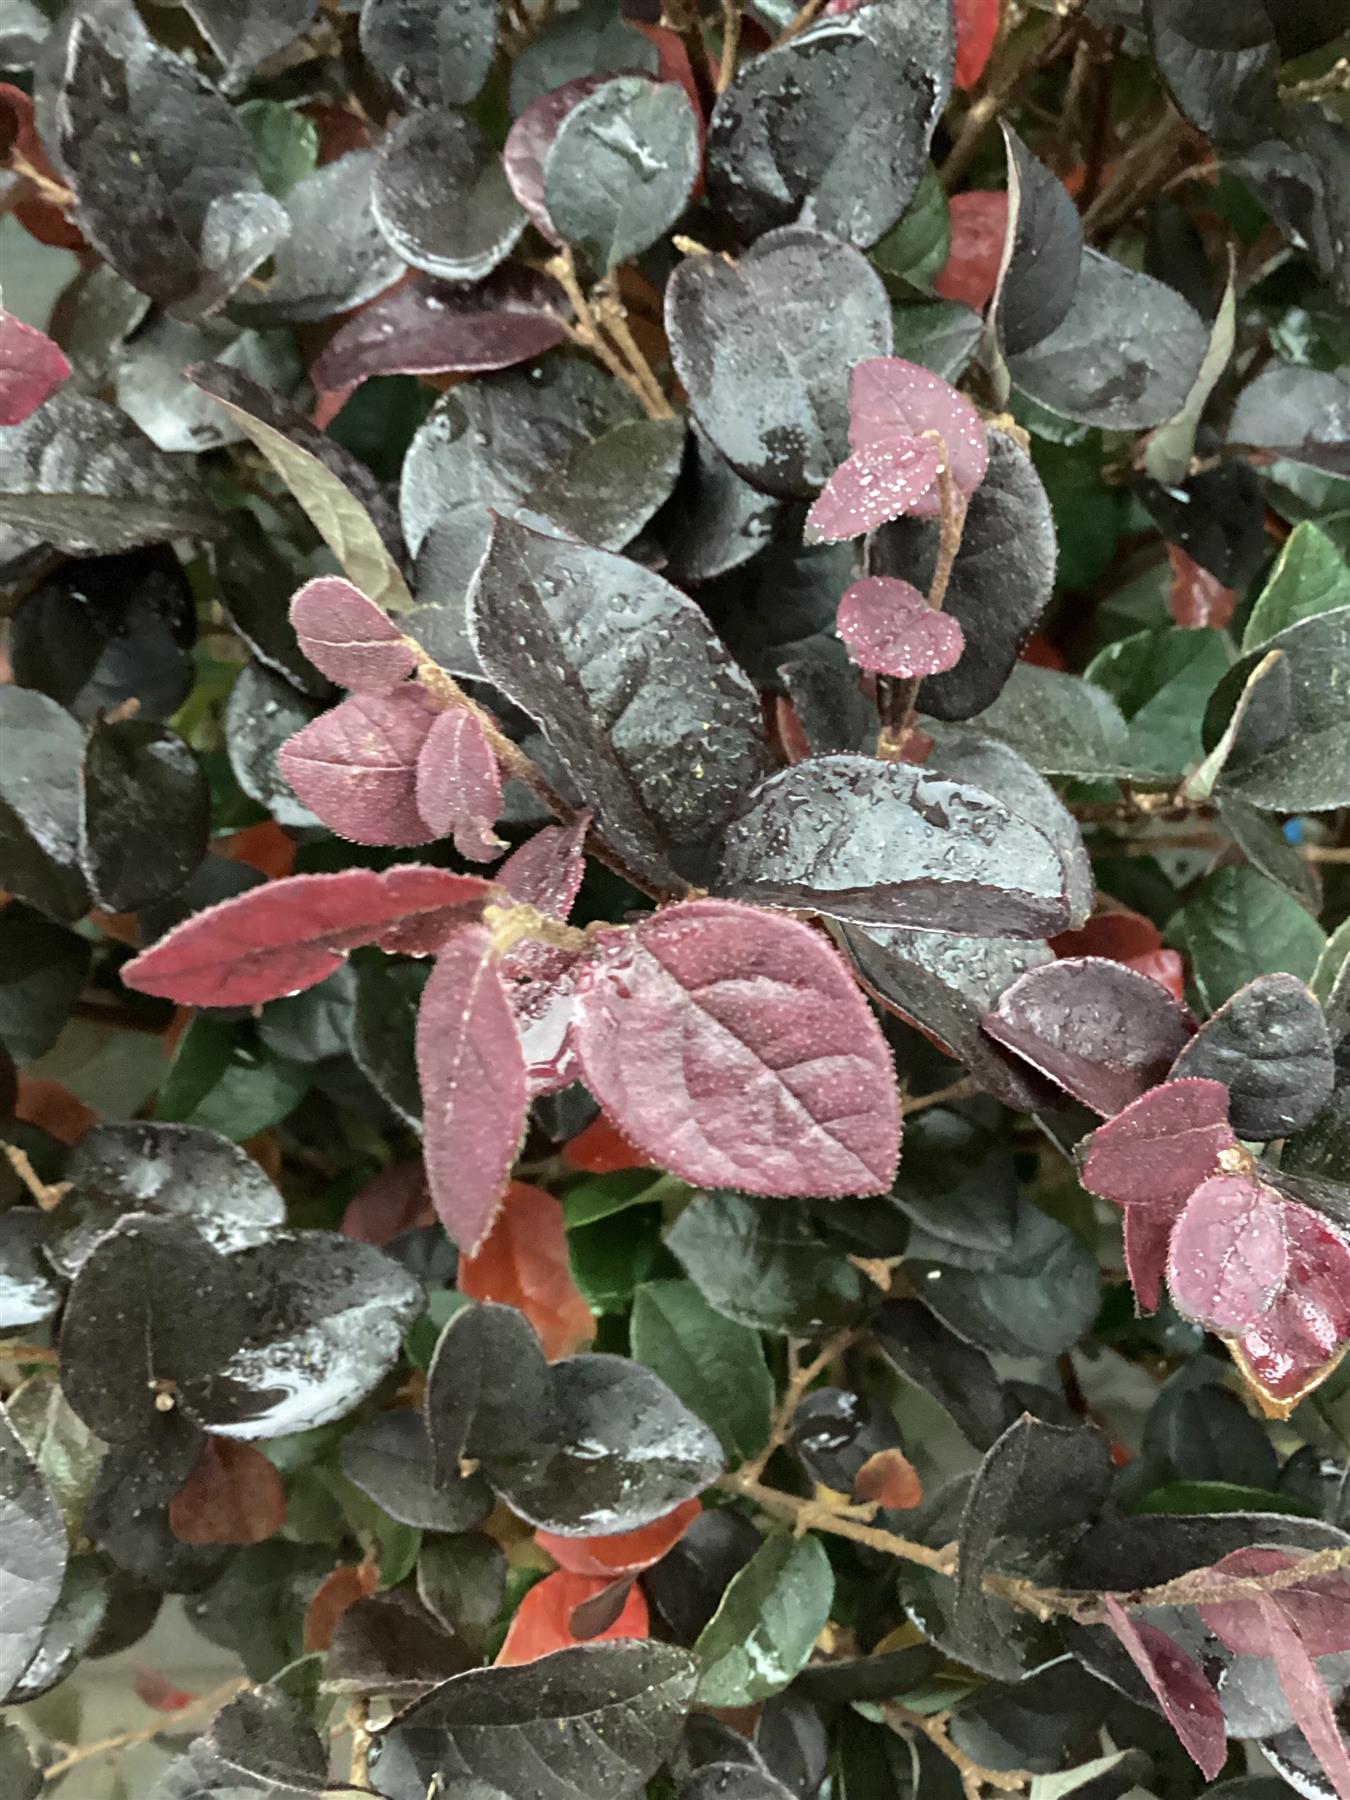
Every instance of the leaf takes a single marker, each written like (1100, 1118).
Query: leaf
(260, 1736)
(546, 871)
(79, 476)
(1309, 577)
(1179, 1685)
(285, 142)
(356, 766)
(33, 1560)
(957, 1375)
(1169, 452)
(1161, 1146)
(1303, 1333)
(319, 474)
(245, 36)
(1289, 751)
(430, 52)
(767, 1624)
(42, 974)
(459, 786)
(711, 1363)
(596, 1721)
(593, 40)
(759, 1065)
(663, 702)
(488, 1389)
(1000, 583)
(293, 933)
(764, 1265)
(763, 382)
(441, 197)
(835, 1434)
(21, 1776)
(627, 1552)
(1221, 71)
(884, 844)
(1237, 925)
(976, 33)
(31, 369)
(349, 638)
(1229, 1256)
(390, 1458)
(1042, 253)
(472, 1073)
(890, 399)
(833, 127)
(384, 1033)
(1270, 1046)
(1061, 724)
(1162, 679)
(461, 1580)
(523, 1262)
(1124, 357)
(874, 486)
(916, 248)
(165, 183)
(28, 1295)
(620, 168)
(1300, 414)
(544, 1622)
(144, 814)
(66, 1452)
(234, 1495)
(1104, 1032)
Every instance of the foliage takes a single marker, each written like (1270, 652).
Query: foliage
(673, 828)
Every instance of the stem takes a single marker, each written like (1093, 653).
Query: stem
(587, 330)
(27, 1353)
(1148, 162)
(611, 312)
(731, 43)
(683, 17)
(806, 15)
(806, 1515)
(799, 1381)
(47, 1194)
(934, 1727)
(207, 1703)
(957, 1090)
(1042, 50)
(899, 701)
(517, 923)
(1321, 87)
(54, 192)
(1095, 154)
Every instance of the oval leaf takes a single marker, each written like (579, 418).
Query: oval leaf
(349, 638)
(889, 627)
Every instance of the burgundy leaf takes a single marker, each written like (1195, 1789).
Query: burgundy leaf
(473, 1085)
(1189, 1703)
(876, 484)
(232, 1496)
(1304, 1331)
(1162, 1146)
(31, 368)
(355, 766)
(1196, 598)
(1228, 1258)
(426, 327)
(1104, 1032)
(290, 934)
(531, 138)
(888, 626)
(890, 398)
(395, 1200)
(732, 1047)
(349, 638)
(459, 786)
(1148, 1232)
(546, 871)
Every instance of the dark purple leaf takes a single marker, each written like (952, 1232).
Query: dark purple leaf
(430, 52)
(355, 766)
(889, 627)
(1302, 414)
(33, 1556)
(472, 1071)
(1270, 1046)
(40, 803)
(1104, 1032)
(715, 521)
(890, 398)
(31, 369)
(732, 1047)
(145, 814)
(1189, 1703)
(349, 638)
(531, 138)
(872, 487)
(957, 1375)
(764, 381)
(389, 1457)
(441, 197)
(459, 786)
(1229, 1256)
(291, 934)
(1041, 255)
(884, 844)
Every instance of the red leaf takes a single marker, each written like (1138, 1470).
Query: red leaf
(31, 368)
(625, 1553)
(1102, 1031)
(1161, 1147)
(1197, 598)
(733, 1047)
(543, 1621)
(350, 639)
(233, 1496)
(873, 486)
(1189, 1703)
(155, 1690)
(888, 627)
(978, 222)
(293, 933)
(355, 766)
(41, 219)
(976, 34)
(890, 398)
(395, 1200)
(1304, 1332)
(473, 1086)
(889, 1478)
(336, 1594)
(601, 1148)
(523, 1262)
(546, 871)
(1148, 1232)
(459, 786)
(1128, 938)
(1229, 1257)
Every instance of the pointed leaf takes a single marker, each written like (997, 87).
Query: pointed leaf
(889, 627)
(459, 786)
(1043, 248)
(355, 767)
(1271, 1047)
(349, 638)
(1161, 1146)
(875, 485)
(32, 1556)
(31, 369)
(545, 871)
(522, 1262)
(767, 1624)
(1188, 1702)
(1304, 1332)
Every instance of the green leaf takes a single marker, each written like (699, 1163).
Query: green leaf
(714, 1365)
(1062, 724)
(1291, 752)
(1168, 450)
(761, 1263)
(916, 248)
(1265, 846)
(1161, 681)
(767, 1624)
(285, 143)
(1238, 925)
(601, 1196)
(1220, 1496)
(1089, 516)
(222, 1079)
(65, 1450)
(610, 1257)
(1310, 577)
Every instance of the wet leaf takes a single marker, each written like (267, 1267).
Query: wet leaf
(1298, 1340)
(441, 197)
(356, 766)
(431, 52)
(42, 973)
(546, 1618)
(713, 1364)
(234, 1495)
(33, 1561)
(957, 1375)
(1270, 1046)
(390, 1458)
(243, 36)
(1043, 248)
(1237, 925)
(1301, 414)
(144, 814)
(767, 1624)
(1289, 751)
(888, 627)
(1229, 1256)
(627, 1552)
(459, 786)
(32, 367)
(349, 638)
(1309, 577)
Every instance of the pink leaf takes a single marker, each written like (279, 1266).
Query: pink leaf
(459, 786)
(350, 639)
(541, 989)
(355, 766)
(979, 224)
(976, 34)
(1148, 1231)
(1162, 1146)
(876, 484)
(888, 627)
(473, 1086)
(1189, 1703)
(1229, 1258)
(733, 1048)
(290, 934)
(1318, 1609)
(546, 871)
(1303, 1333)
(890, 398)
(31, 369)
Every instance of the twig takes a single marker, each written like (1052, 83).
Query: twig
(799, 1380)
(934, 1727)
(1095, 150)
(898, 701)
(27, 1353)
(1144, 165)
(1321, 87)
(983, 110)
(361, 1742)
(587, 331)
(808, 1515)
(956, 1090)
(731, 43)
(612, 314)
(804, 16)
(145, 1734)
(54, 192)
(683, 17)
(46, 1193)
